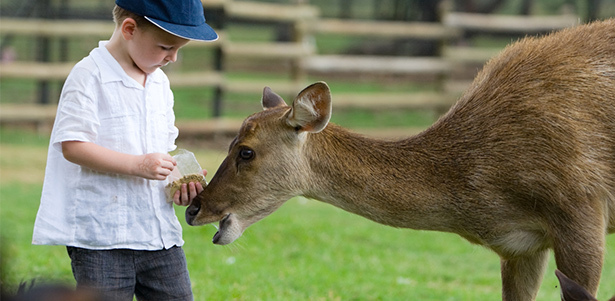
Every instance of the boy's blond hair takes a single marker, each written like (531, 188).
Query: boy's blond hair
(120, 14)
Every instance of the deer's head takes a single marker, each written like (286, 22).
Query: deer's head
(264, 166)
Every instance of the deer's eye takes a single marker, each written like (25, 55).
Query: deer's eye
(246, 154)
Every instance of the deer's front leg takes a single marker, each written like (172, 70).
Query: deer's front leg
(580, 256)
(521, 276)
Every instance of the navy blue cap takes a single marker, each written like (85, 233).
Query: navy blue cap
(183, 18)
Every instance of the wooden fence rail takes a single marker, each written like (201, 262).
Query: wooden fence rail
(301, 51)
(55, 28)
(525, 25)
(387, 29)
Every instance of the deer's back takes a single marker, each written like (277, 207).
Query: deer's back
(538, 122)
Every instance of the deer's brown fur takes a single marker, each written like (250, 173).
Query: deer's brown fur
(524, 162)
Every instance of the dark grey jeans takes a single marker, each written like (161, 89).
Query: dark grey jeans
(120, 274)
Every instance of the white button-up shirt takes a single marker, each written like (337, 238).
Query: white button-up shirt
(84, 208)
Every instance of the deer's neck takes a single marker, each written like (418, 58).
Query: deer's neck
(404, 183)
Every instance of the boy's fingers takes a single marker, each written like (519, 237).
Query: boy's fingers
(176, 198)
(192, 188)
(168, 164)
(184, 195)
(169, 158)
(199, 187)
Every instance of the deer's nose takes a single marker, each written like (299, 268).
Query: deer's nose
(192, 211)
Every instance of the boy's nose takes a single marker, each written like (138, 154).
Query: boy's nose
(172, 57)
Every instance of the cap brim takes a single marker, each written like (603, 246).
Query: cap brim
(201, 32)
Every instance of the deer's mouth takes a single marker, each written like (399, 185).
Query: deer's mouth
(229, 230)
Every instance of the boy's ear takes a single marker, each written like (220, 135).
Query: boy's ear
(128, 28)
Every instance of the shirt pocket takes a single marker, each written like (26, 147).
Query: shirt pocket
(120, 113)
(121, 133)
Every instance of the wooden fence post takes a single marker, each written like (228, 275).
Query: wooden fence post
(42, 51)
(219, 23)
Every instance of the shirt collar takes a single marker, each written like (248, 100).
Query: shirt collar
(111, 70)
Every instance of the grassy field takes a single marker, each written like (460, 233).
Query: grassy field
(307, 250)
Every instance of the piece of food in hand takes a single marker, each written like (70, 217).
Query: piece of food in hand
(176, 185)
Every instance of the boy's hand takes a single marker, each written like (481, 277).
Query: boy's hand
(155, 166)
(185, 195)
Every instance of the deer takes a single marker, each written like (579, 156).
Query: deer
(522, 163)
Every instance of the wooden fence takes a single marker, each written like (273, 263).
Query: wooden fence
(300, 51)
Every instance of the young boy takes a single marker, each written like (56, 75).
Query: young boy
(103, 194)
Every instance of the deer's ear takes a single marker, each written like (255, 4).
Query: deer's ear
(271, 100)
(571, 290)
(311, 110)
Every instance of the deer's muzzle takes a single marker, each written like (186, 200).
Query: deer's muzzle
(229, 230)
(191, 213)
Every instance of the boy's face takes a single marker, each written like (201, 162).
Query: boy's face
(153, 48)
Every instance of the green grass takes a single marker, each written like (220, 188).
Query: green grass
(306, 250)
